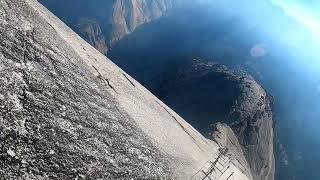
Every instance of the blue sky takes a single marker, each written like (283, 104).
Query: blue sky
(306, 12)
(311, 6)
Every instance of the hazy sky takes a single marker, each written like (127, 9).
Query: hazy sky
(306, 12)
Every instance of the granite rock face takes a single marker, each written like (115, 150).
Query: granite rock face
(223, 135)
(67, 112)
(251, 118)
(130, 14)
(229, 96)
(57, 120)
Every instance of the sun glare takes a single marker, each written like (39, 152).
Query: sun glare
(301, 15)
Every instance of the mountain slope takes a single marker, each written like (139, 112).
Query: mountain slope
(206, 93)
(130, 14)
(68, 112)
(115, 19)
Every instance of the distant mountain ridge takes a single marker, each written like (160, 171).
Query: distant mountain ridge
(112, 21)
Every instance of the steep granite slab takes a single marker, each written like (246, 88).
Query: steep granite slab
(69, 112)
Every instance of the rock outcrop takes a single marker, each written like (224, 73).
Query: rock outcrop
(67, 112)
(130, 14)
(251, 119)
(229, 96)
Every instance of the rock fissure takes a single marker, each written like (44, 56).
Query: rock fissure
(104, 79)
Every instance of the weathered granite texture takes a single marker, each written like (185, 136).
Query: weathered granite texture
(67, 112)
